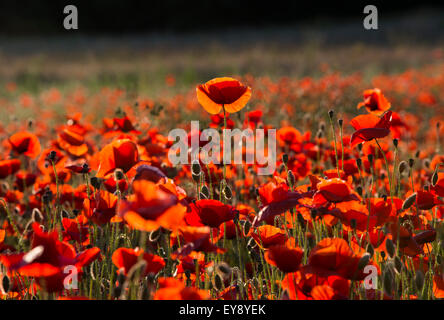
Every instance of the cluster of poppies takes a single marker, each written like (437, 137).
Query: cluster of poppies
(353, 211)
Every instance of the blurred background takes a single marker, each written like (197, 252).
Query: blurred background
(136, 43)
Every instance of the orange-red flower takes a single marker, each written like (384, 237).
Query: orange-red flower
(125, 258)
(374, 102)
(227, 93)
(286, 258)
(209, 212)
(25, 143)
(121, 154)
(369, 127)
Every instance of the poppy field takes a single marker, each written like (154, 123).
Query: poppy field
(93, 208)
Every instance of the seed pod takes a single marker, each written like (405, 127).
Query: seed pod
(402, 167)
(390, 247)
(118, 174)
(95, 182)
(204, 190)
(411, 162)
(195, 168)
(370, 159)
(218, 282)
(359, 162)
(285, 158)
(363, 261)
(322, 126)
(340, 122)
(419, 279)
(227, 192)
(331, 113)
(5, 283)
(290, 178)
(353, 224)
(435, 177)
(395, 142)
(36, 215)
(52, 156)
(319, 134)
(398, 264)
(409, 201)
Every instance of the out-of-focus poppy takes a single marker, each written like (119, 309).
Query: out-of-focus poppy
(369, 127)
(8, 167)
(121, 154)
(427, 200)
(286, 258)
(173, 289)
(48, 258)
(374, 102)
(267, 236)
(125, 258)
(334, 190)
(25, 143)
(152, 207)
(210, 212)
(227, 93)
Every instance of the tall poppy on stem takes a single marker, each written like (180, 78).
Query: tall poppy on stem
(369, 127)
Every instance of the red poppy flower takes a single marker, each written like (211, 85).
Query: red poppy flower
(209, 212)
(369, 127)
(193, 239)
(333, 190)
(267, 236)
(286, 258)
(120, 154)
(374, 102)
(48, 258)
(227, 93)
(427, 200)
(8, 167)
(152, 207)
(76, 230)
(333, 256)
(25, 143)
(173, 289)
(101, 207)
(125, 258)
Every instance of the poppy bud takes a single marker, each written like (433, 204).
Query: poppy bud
(363, 261)
(227, 192)
(224, 269)
(398, 264)
(96, 182)
(438, 125)
(331, 113)
(195, 168)
(359, 190)
(384, 197)
(353, 224)
(246, 225)
(118, 175)
(419, 279)
(290, 178)
(402, 167)
(359, 162)
(388, 285)
(36, 215)
(340, 122)
(370, 250)
(409, 201)
(218, 282)
(322, 126)
(370, 159)
(154, 235)
(390, 247)
(196, 177)
(360, 147)
(64, 214)
(319, 134)
(411, 162)
(52, 156)
(435, 177)
(426, 163)
(285, 158)
(205, 191)
(417, 154)
(5, 283)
